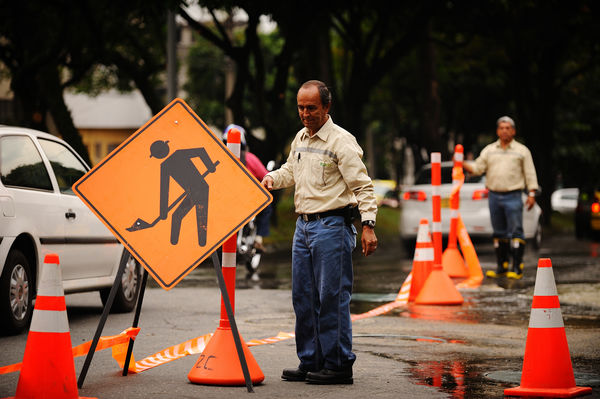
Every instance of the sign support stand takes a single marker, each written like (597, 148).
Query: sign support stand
(110, 300)
(234, 329)
(136, 320)
(105, 312)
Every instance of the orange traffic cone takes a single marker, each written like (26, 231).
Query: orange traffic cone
(439, 290)
(422, 260)
(547, 369)
(453, 262)
(219, 362)
(48, 369)
(471, 259)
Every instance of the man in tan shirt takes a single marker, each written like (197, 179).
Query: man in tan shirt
(330, 179)
(509, 170)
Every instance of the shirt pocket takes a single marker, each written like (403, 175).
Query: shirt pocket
(323, 171)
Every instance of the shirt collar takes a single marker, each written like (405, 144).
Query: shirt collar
(323, 132)
(510, 145)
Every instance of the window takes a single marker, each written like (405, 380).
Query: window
(21, 164)
(66, 166)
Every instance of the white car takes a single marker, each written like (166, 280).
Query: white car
(564, 200)
(40, 214)
(474, 210)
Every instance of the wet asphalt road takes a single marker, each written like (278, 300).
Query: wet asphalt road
(474, 350)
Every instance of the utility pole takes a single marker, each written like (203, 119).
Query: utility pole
(171, 57)
(229, 69)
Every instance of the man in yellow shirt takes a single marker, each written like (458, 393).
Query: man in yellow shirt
(509, 170)
(330, 179)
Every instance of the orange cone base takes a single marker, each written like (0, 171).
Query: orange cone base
(44, 352)
(547, 368)
(439, 290)
(548, 393)
(219, 363)
(453, 263)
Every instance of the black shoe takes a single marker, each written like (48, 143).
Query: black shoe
(293, 374)
(501, 271)
(326, 376)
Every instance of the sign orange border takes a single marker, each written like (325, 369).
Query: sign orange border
(119, 189)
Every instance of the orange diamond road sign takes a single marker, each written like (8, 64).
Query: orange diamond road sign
(172, 193)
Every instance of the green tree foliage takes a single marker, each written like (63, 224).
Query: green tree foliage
(50, 46)
(206, 82)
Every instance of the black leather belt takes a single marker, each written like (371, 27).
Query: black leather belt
(506, 192)
(310, 217)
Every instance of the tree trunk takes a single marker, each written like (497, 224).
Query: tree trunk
(52, 91)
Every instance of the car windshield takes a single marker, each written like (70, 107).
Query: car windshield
(424, 176)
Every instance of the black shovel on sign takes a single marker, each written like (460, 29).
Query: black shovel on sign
(141, 224)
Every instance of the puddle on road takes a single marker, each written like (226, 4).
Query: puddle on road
(473, 379)
(378, 278)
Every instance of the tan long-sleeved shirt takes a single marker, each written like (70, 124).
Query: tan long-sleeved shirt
(506, 169)
(328, 172)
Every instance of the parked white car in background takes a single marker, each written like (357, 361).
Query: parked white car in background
(474, 210)
(40, 214)
(564, 200)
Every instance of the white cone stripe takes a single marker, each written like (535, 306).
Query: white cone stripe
(234, 148)
(453, 214)
(436, 157)
(544, 282)
(459, 156)
(423, 233)
(228, 259)
(435, 191)
(545, 318)
(436, 227)
(424, 254)
(51, 281)
(49, 321)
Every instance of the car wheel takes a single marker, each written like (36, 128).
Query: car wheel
(16, 294)
(129, 286)
(537, 237)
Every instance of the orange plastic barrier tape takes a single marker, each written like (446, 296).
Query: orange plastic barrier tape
(193, 346)
(189, 347)
(197, 345)
(81, 350)
(401, 300)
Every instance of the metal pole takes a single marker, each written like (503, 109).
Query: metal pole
(171, 57)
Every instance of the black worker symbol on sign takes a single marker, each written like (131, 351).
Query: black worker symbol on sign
(180, 167)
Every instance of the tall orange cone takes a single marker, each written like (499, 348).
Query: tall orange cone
(471, 259)
(48, 370)
(219, 363)
(452, 260)
(438, 288)
(547, 368)
(422, 260)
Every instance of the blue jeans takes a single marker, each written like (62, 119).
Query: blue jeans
(321, 289)
(506, 212)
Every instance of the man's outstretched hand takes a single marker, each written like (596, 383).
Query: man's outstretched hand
(267, 182)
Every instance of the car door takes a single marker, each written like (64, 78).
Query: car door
(90, 248)
(35, 209)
